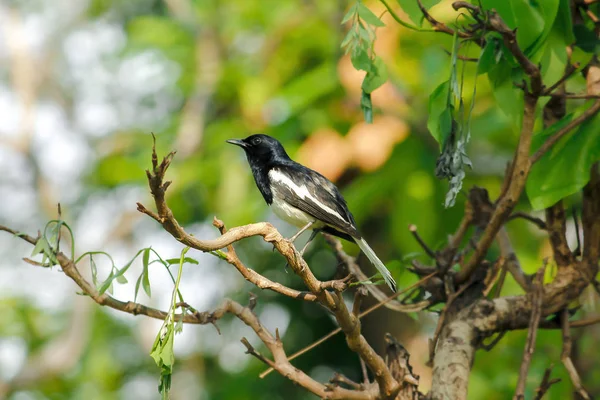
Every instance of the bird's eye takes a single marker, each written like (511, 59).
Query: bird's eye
(256, 141)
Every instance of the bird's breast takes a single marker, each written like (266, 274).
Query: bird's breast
(291, 214)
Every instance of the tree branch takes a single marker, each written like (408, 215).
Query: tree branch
(566, 356)
(536, 304)
(348, 323)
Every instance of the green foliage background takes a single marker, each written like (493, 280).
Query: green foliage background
(273, 67)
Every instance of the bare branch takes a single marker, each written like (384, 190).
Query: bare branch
(413, 229)
(422, 281)
(566, 356)
(570, 70)
(546, 383)
(375, 291)
(536, 313)
(437, 25)
(537, 221)
(254, 277)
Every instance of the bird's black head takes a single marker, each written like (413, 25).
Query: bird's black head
(261, 150)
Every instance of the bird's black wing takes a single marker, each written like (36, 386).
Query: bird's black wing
(314, 194)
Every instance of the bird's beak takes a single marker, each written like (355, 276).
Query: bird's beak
(238, 142)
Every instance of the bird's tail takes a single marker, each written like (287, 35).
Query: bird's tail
(377, 263)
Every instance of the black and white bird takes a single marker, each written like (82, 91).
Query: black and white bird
(303, 197)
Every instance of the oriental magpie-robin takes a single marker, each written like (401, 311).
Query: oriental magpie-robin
(303, 197)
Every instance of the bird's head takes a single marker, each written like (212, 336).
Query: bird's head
(261, 149)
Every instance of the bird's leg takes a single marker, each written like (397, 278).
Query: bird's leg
(305, 227)
(310, 239)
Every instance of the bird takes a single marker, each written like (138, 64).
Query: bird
(303, 197)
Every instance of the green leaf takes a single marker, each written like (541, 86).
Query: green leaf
(578, 56)
(162, 350)
(350, 36)
(565, 168)
(51, 232)
(121, 279)
(533, 19)
(179, 326)
(376, 77)
(351, 13)
(487, 58)
(145, 275)
(361, 60)
(438, 113)
(45, 249)
(137, 287)
(367, 15)
(411, 8)
(94, 268)
(509, 98)
(366, 34)
(107, 283)
(41, 247)
(173, 261)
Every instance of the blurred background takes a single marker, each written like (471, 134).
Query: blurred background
(84, 83)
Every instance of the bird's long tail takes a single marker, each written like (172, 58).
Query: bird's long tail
(377, 263)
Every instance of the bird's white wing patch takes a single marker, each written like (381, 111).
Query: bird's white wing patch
(302, 192)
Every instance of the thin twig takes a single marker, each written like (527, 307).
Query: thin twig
(413, 229)
(566, 356)
(552, 140)
(570, 70)
(360, 276)
(546, 383)
(575, 96)
(537, 293)
(535, 220)
(362, 314)
(437, 25)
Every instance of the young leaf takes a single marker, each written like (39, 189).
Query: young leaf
(361, 60)
(351, 13)
(376, 76)
(162, 353)
(107, 283)
(367, 15)
(162, 350)
(438, 113)
(350, 36)
(189, 260)
(487, 58)
(145, 275)
(41, 247)
(137, 287)
(94, 270)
